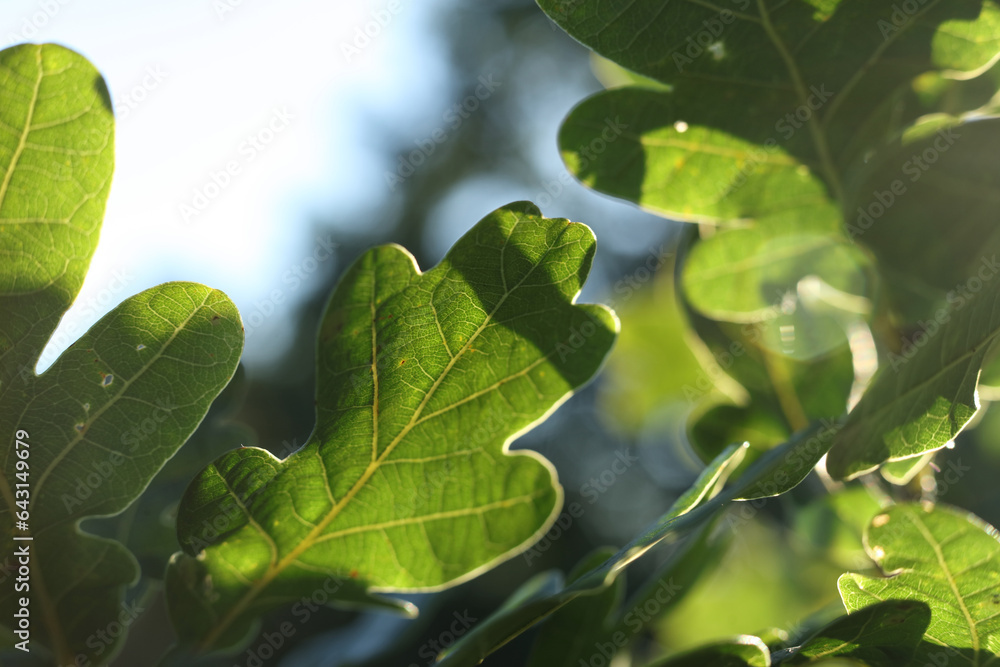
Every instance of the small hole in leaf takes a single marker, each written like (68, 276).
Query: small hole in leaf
(78, 427)
(718, 50)
(140, 346)
(107, 379)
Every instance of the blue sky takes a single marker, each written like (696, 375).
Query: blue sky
(270, 90)
(239, 128)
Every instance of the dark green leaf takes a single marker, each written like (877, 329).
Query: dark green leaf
(882, 635)
(745, 651)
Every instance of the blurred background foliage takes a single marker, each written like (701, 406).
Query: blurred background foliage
(662, 397)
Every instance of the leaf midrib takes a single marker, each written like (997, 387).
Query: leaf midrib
(943, 564)
(23, 141)
(312, 537)
(6, 489)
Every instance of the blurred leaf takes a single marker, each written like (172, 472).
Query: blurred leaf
(765, 579)
(613, 75)
(770, 57)
(406, 482)
(903, 472)
(570, 634)
(733, 425)
(882, 635)
(563, 638)
(776, 472)
(743, 651)
(835, 523)
(941, 557)
(161, 355)
(771, 111)
(689, 511)
(924, 397)
(910, 187)
(796, 367)
(652, 365)
(744, 275)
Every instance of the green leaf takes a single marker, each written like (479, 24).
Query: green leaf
(772, 56)
(664, 152)
(744, 651)
(792, 379)
(149, 526)
(771, 107)
(612, 622)
(834, 524)
(161, 356)
(941, 557)
(406, 483)
(926, 395)
(57, 156)
(885, 634)
(963, 35)
(570, 633)
(509, 621)
(934, 173)
(745, 275)
(653, 366)
(776, 472)
(734, 424)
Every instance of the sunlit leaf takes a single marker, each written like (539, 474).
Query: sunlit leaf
(925, 395)
(160, 358)
(946, 559)
(406, 483)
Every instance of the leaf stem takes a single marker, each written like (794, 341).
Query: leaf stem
(791, 406)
